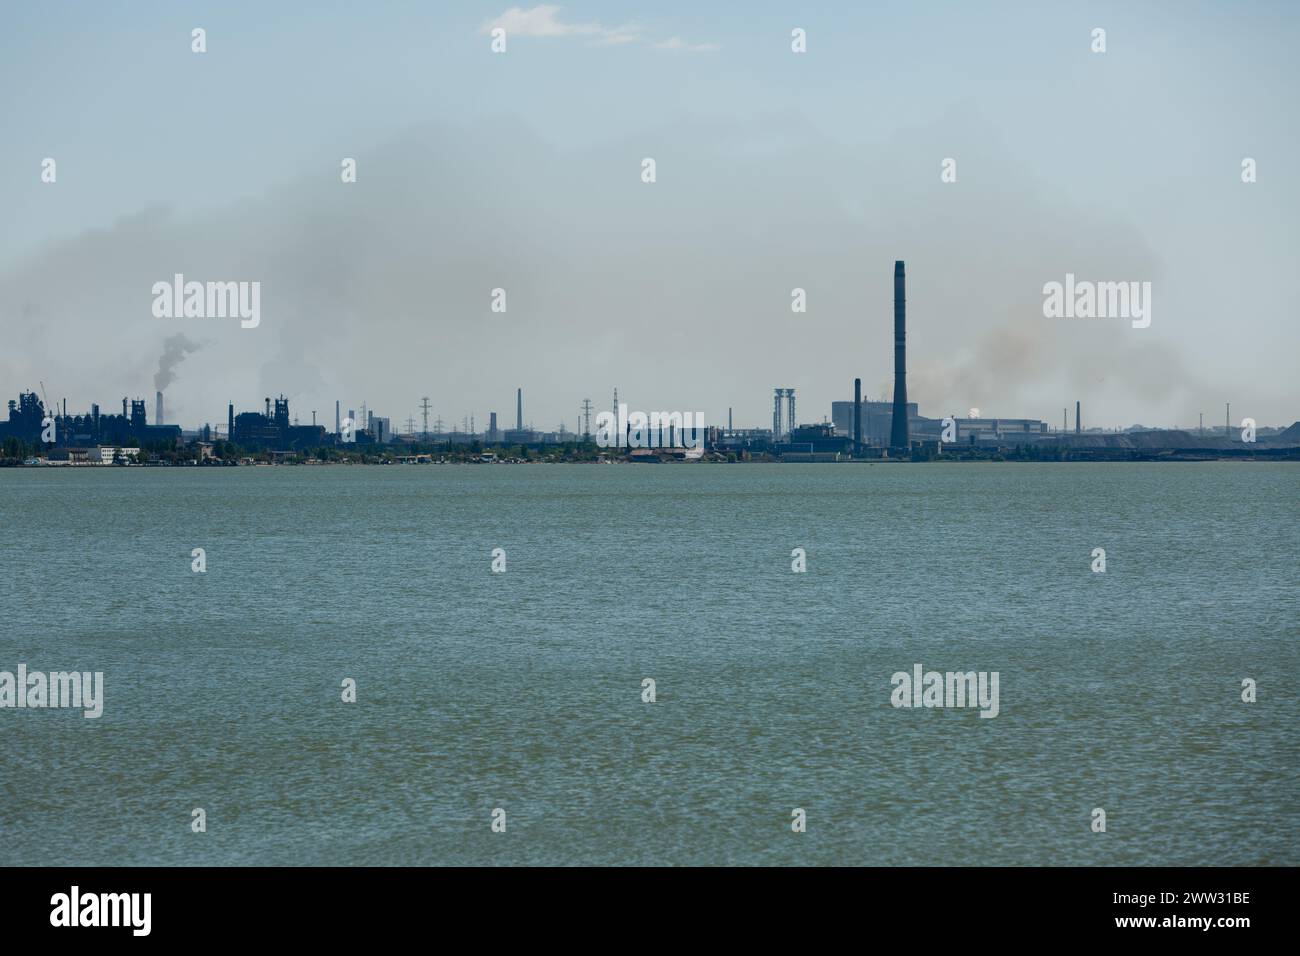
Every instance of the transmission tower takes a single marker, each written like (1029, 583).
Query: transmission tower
(586, 419)
(424, 407)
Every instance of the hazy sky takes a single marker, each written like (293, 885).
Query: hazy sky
(775, 170)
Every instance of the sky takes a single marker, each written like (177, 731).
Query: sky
(775, 170)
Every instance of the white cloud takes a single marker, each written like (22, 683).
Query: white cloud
(678, 44)
(544, 21)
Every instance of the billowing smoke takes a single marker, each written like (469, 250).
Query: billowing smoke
(175, 348)
(359, 283)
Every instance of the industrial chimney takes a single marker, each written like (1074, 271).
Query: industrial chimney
(1077, 427)
(157, 418)
(857, 416)
(519, 409)
(898, 432)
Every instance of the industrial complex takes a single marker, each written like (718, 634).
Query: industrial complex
(856, 430)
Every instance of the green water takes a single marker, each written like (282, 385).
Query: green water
(523, 690)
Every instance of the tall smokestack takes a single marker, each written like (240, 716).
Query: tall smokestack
(1077, 427)
(898, 434)
(519, 409)
(230, 422)
(338, 425)
(857, 415)
(157, 418)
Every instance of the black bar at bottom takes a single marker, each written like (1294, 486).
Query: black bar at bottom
(945, 906)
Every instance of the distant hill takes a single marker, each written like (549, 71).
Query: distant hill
(1289, 437)
(1147, 441)
(1178, 440)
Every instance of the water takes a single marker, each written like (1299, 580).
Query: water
(523, 690)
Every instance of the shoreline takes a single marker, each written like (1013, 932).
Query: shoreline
(1291, 454)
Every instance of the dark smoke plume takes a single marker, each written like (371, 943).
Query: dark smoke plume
(175, 348)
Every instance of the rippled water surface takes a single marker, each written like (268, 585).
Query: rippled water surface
(523, 690)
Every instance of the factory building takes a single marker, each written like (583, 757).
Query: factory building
(1002, 431)
(379, 428)
(272, 430)
(877, 420)
(818, 442)
(27, 414)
